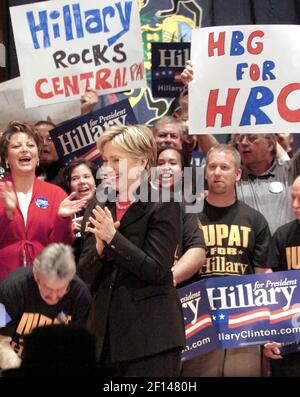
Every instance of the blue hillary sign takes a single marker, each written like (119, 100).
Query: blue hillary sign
(200, 332)
(168, 61)
(240, 311)
(76, 137)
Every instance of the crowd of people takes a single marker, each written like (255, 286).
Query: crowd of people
(133, 248)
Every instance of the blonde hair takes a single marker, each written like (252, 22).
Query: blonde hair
(227, 148)
(136, 140)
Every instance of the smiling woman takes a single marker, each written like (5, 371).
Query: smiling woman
(79, 177)
(127, 256)
(35, 212)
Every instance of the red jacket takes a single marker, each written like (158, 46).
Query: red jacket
(43, 227)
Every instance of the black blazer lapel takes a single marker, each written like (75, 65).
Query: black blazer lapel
(134, 212)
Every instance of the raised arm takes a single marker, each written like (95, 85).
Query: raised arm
(204, 141)
(88, 101)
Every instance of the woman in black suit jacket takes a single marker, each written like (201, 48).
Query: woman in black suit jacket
(129, 245)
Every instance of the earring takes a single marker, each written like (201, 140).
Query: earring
(38, 163)
(7, 165)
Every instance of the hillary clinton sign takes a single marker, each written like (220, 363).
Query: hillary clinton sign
(66, 47)
(246, 79)
(223, 312)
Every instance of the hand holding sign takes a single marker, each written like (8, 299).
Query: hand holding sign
(88, 101)
(272, 350)
(188, 73)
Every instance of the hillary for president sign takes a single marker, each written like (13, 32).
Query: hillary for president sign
(246, 79)
(168, 61)
(77, 137)
(225, 312)
(66, 47)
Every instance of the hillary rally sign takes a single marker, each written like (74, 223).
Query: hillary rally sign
(246, 79)
(76, 137)
(168, 61)
(229, 312)
(67, 47)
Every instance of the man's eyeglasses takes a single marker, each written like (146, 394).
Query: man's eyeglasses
(250, 138)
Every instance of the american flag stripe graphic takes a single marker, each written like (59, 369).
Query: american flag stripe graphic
(201, 323)
(252, 316)
(91, 154)
(177, 77)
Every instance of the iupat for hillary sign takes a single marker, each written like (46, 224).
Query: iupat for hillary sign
(66, 47)
(246, 79)
(223, 312)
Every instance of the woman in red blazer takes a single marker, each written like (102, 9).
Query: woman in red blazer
(33, 213)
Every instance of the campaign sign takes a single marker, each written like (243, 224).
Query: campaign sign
(198, 158)
(246, 79)
(76, 137)
(246, 310)
(13, 107)
(256, 309)
(66, 47)
(168, 61)
(200, 332)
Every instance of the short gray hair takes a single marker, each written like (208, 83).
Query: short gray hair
(55, 262)
(167, 120)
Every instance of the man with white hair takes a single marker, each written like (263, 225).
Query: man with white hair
(47, 293)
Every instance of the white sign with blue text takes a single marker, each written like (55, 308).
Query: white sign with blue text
(66, 47)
